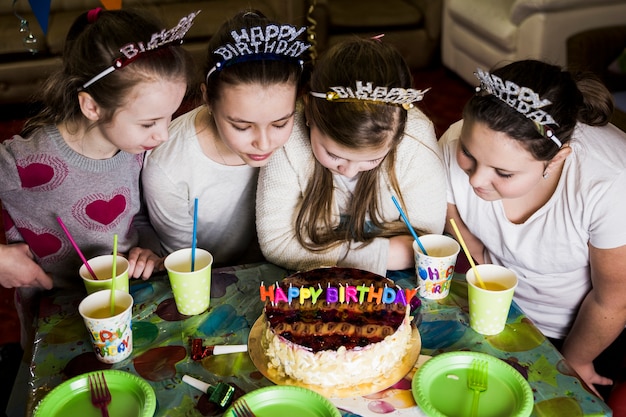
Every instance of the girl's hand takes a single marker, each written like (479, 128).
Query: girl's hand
(401, 254)
(18, 268)
(143, 262)
(588, 374)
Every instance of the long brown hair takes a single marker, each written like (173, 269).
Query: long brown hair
(93, 45)
(356, 125)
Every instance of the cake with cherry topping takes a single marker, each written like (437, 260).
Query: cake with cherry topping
(336, 327)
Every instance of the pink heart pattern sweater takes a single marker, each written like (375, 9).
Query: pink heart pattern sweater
(42, 178)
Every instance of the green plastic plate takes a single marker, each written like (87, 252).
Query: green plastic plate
(440, 388)
(131, 397)
(285, 400)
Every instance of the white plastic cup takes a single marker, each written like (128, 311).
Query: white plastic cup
(435, 270)
(111, 335)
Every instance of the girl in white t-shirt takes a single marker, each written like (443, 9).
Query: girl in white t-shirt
(537, 183)
(252, 77)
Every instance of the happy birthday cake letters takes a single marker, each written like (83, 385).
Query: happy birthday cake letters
(341, 294)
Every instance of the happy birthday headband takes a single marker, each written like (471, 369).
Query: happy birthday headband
(394, 96)
(273, 42)
(523, 99)
(159, 39)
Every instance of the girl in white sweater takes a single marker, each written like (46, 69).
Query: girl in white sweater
(325, 198)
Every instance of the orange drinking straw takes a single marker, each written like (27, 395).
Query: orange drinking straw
(469, 257)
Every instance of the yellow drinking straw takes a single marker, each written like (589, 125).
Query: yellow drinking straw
(113, 274)
(469, 257)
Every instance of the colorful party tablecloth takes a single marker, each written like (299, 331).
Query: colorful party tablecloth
(162, 353)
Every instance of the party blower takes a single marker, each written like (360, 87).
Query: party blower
(220, 394)
(199, 352)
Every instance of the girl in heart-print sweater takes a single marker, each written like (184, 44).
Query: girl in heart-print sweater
(81, 157)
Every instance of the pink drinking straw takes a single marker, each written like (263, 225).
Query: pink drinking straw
(73, 242)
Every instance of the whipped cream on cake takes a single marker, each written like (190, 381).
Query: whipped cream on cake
(336, 327)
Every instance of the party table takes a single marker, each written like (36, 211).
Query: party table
(162, 354)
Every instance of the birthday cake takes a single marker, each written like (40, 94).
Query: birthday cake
(336, 327)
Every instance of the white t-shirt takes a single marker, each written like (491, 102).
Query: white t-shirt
(177, 172)
(549, 251)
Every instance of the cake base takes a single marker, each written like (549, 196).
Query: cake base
(260, 360)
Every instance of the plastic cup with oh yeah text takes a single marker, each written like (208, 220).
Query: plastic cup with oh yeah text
(192, 289)
(102, 266)
(435, 270)
(489, 306)
(111, 335)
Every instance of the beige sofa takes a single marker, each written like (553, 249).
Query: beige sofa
(595, 50)
(483, 33)
(22, 72)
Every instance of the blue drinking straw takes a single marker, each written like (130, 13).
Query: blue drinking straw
(194, 239)
(408, 224)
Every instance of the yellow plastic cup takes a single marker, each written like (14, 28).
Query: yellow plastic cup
(103, 268)
(191, 289)
(489, 307)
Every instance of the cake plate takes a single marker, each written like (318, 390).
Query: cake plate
(260, 360)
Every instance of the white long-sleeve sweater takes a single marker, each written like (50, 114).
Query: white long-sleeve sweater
(283, 181)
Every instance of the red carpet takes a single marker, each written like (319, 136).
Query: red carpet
(444, 102)
(9, 128)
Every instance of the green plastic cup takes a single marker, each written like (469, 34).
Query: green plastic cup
(489, 307)
(192, 289)
(103, 268)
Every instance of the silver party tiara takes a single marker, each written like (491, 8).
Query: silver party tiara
(523, 99)
(157, 40)
(404, 97)
(261, 43)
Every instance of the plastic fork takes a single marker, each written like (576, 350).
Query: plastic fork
(242, 409)
(477, 382)
(100, 394)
